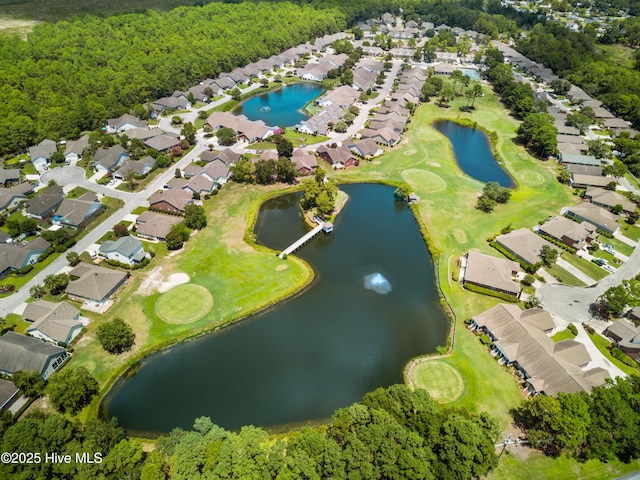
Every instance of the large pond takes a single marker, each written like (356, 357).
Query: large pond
(346, 335)
(472, 150)
(282, 107)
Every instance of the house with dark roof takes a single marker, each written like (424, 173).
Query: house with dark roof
(492, 273)
(524, 244)
(77, 212)
(9, 176)
(11, 197)
(340, 157)
(52, 322)
(92, 283)
(608, 199)
(155, 226)
(173, 200)
(163, 142)
(9, 393)
(226, 156)
(171, 103)
(45, 203)
(109, 159)
(16, 256)
(573, 234)
(125, 249)
(29, 354)
(306, 162)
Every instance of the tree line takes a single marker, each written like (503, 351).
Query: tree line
(71, 76)
(392, 433)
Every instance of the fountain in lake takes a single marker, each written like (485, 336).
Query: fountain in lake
(377, 283)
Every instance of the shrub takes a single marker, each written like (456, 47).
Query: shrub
(573, 329)
(484, 339)
(528, 280)
(492, 293)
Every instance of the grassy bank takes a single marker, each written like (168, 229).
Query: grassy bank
(241, 279)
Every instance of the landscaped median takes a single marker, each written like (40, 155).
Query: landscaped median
(240, 279)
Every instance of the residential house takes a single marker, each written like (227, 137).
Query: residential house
(443, 69)
(92, 283)
(41, 154)
(74, 149)
(155, 226)
(45, 203)
(123, 123)
(28, 354)
(363, 79)
(598, 216)
(573, 234)
(547, 367)
(306, 162)
(16, 256)
(226, 156)
(492, 273)
(627, 337)
(109, 159)
(342, 97)
(172, 201)
(8, 176)
(197, 185)
(584, 181)
(11, 197)
(125, 249)
(524, 244)
(608, 199)
(52, 322)
(171, 103)
(366, 148)
(138, 168)
(246, 129)
(573, 159)
(163, 142)
(8, 394)
(77, 212)
(385, 136)
(572, 148)
(585, 170)
(340, 157)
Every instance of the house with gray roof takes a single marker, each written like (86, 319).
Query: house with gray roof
(608, 199)
(524, 244)
(492, 273)
(109, 159)
(123, 123)
(8, 394)
(136, 167)
(171, 103)
(575, 159)
(40, 154)
(28, 354)
(77, 212)
(598, 216)
(573, 234)
(155, 226)
(11, 197)
(92, 283)
(9, 176)
(366, 148)
(163, 142)
(74, 149)
(16, 256)
(627, 337)
(547, 367)
(52, 322)
(578, 180)
(125, 249)
(226, 156)
(45, 203)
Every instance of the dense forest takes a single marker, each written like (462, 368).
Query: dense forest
(391, 433)
(71, 76)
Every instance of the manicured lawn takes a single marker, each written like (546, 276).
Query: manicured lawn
(619, 246)
(296, 139)
(563, 335)
(441, 380)
(608, 257)
(629, 231)
(536, 466)
(184, 304)
(602, 344)
(589, 268)
(19, 279)
(563, 276)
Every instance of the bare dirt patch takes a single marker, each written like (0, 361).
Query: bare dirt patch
(435, 164)
(156, 282)
(279, 268)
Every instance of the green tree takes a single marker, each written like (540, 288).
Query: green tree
(286, 170)
(242, 171)
(29, 383)
(347, 77)
(71, 390)
(116, 336)
(265, 171)
(176, 237)
(195, 217)
(73, 258)
(189, 133)
(56, 283)
(324, 204)
(37, 291)
(340, 127)
(485, 203)
(226, 136)
(616, 299)
(548, 255)
(283, 146)
(538, 132)
(236, 94)
(564, 176)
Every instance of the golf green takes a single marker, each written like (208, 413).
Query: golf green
(184, 304)
(443, 382)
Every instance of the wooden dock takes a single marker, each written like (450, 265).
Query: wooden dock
(322, 226)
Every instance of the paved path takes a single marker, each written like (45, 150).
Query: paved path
(579, 274)
(597, 358)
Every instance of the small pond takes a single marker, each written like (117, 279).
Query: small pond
(372, 307)
(282, 107)
(472, 150)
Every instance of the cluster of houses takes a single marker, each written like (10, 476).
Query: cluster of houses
(521, 339)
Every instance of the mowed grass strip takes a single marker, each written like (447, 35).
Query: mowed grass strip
(184, 304)
(443, 382)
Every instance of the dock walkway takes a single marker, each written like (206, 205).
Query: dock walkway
(322, 226)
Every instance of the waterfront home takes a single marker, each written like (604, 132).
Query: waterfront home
(340, 157)
(573, 234)
(598, 216)
(492, 273)
(28, 354)
(155, 226)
